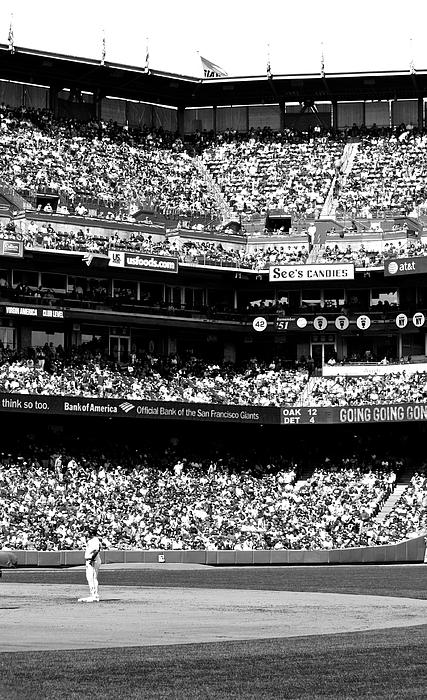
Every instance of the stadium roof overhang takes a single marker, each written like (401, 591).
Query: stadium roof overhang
(132, 83)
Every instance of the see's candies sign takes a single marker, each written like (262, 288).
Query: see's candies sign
(311, 273)
(405, 266)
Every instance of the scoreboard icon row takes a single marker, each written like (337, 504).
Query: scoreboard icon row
(341, 323)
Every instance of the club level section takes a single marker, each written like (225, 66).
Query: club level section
(180, 411)
(209, 312)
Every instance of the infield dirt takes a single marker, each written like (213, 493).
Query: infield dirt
(48, 616)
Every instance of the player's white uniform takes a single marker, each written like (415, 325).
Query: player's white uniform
(93, 563)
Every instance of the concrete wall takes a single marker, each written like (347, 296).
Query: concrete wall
(409, 551)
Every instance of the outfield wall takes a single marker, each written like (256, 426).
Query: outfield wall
(409, 551)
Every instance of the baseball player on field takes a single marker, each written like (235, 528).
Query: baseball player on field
(93, 563)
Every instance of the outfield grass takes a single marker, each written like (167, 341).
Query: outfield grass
(381, 664)
(390, 580)
(385, 664)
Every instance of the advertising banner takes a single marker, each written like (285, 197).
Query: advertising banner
(394, 267)
(217, 413)
(35, 312)
(11, 248)
(132, 408)
(143, 261)
(311, 273)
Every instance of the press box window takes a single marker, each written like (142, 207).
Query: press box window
(311, 298)
(193, 298)
(388, 297)
(151, 293)
(58, 283)
(3, 278)
(8, 337)
(334, 299)
(28, 277)
(40, 338)
(125, 289)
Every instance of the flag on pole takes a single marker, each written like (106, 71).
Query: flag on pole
(211, 70)
(10, 38)
(147, 58)
(103, 52)
(322, 63)
(269, 74)
(411, 61)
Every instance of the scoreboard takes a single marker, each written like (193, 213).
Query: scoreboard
(345, 415)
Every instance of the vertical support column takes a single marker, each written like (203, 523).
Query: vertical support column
(235, 300)
(97, 97)
(335, 115)
(247, 119)
(420, 112)
(282, 108)
(53, 99)
(127, 113)
(181, 115)
(72, 335)
(363, 113)
(393, 112)
(214, 115)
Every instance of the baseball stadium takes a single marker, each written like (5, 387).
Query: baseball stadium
(213, 382)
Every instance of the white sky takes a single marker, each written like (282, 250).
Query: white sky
(364, 35)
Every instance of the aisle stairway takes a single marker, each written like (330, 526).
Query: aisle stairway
(391, 502)
(348, 157)
(214, 190)
(303, 398)
(304, 475)
(314, 254)
(12, 198)
(328, 204)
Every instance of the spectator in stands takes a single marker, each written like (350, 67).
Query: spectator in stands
(153, 379)
(188, 503)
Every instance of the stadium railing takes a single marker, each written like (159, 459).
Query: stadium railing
(411, 550)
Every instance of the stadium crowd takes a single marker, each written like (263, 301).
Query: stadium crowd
(88, 371)
(169, 501)
(50, 372)
(410, 513)
(357, 255)
(101, 162)
(284, 172)
(45, 236)
(389, 172)
(395, 387)
(101, 168)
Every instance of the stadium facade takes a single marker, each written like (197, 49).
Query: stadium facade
(225, 311)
